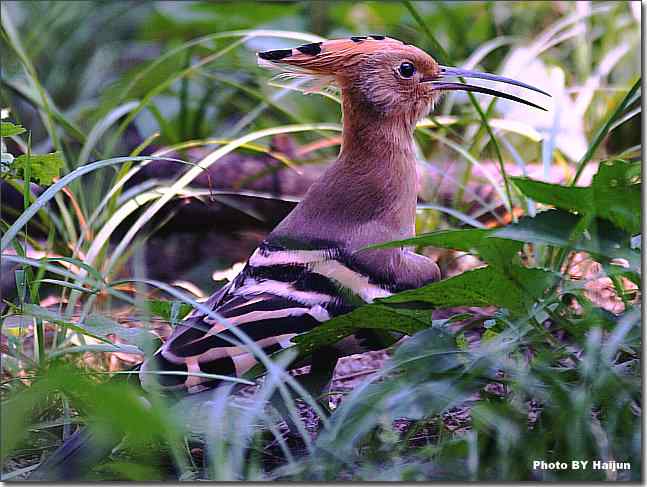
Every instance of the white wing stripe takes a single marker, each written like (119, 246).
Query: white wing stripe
(258, 316)
(284, 290)
(217, 353)
(356, 282)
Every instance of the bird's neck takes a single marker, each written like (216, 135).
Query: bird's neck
(376, 168)
(369, 194)
(373, 140)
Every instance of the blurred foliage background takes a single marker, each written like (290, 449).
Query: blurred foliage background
(89, 264)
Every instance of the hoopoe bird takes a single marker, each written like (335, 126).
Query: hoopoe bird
(313, 265)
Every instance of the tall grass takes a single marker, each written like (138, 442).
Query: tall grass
(552, 376)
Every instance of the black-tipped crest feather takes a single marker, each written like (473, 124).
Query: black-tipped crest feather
(275, 55)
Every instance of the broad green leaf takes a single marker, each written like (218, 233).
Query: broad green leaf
(532, 282)
(481, 287)
(466, 240)
(496, 252)
(371, 316)
(565, 197)
(555, 227)
(7, 129)
(614, 194)
(44, 167)
(489, 335)
(499, 253)
(617, 194)
(435, 347)
(461, 341)
(516, 288)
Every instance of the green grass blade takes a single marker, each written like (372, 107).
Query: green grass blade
(101, 127)
(439, 52)
(54, 189)
(603, 131)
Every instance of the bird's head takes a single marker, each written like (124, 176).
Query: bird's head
(382, 73)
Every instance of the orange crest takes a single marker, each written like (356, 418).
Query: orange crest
(320, 64)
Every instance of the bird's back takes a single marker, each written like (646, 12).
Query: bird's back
(286, 288)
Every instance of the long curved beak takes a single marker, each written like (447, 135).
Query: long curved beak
(439, 83)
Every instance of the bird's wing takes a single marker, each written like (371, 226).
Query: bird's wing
(280, 293)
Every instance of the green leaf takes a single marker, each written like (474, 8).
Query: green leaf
(532, 283)
(7, 129)
(481, 287)
(614, 194)
(499, 253)
(21, 284)
(461, 341)
(44, 167)
(96, 326)
(371, 316)
(50, 192)
(512, 286)
(565, 197)
(172, 311)
(435, 347)
(631, 97)
(466, 240)
(617, 194)
(555, 227)
(69, 285)
(496, 252)
(77, 262)
(489, 335)
(102, 326)
(52, 317)
(111, 409)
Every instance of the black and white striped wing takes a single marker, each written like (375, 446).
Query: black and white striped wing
(279, 294)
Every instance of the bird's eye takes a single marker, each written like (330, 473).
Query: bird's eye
(407, 70)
